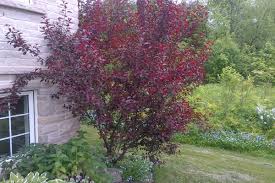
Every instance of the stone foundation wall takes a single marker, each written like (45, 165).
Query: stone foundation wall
(55, 124)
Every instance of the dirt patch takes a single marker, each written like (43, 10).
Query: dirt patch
(204, 151)
(225, 176)
(231, 176)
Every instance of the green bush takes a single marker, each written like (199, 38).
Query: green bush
(232, 104)
(263, 68)
(58, 161)
(136, 168)
(31, 178)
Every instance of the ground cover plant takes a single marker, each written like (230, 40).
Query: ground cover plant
(30, 178)
(41, 178)
(123, 69)
(230, 140)
(72, 161)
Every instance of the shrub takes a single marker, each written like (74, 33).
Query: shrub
(136, 168)
(58, 161)
(263, 68)
(123, 69)
(231, 104)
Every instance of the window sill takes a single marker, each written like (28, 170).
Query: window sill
(21, 6)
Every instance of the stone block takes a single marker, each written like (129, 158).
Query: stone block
(43, 139)
(45, 107)
(56, 118)
(48, 128)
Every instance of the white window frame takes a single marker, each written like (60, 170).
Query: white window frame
(25, 1)
(32, 121)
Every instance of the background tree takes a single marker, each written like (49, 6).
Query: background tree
(241, 30)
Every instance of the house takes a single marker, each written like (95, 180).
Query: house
(37, 117)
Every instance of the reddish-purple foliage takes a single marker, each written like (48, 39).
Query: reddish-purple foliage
(124, 68)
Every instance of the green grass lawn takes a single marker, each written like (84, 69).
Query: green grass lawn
(208, 165)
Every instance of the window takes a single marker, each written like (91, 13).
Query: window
(17, 127)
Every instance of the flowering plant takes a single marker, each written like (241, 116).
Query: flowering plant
(232, 140)
(266, 117)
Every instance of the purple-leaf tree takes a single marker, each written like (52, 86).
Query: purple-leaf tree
(123, 69)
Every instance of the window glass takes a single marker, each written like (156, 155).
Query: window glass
(19, 142)
(22, 107)
(20, 125)
(4, 114)
(4, 128)
(4, 147)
